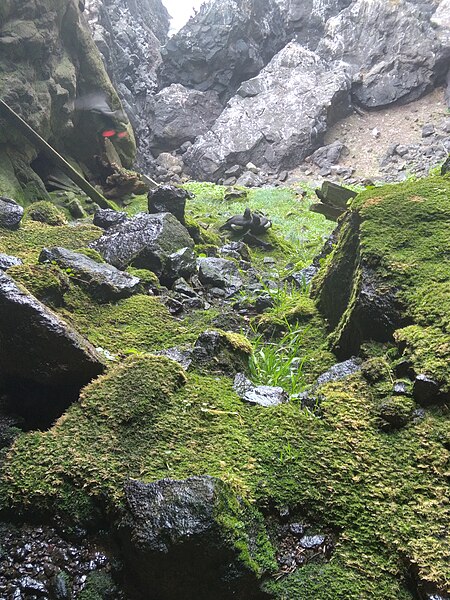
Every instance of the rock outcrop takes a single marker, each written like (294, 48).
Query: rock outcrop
(276, 119)
(47, 60)
(391, 50)
(129, 35)
(178, 535)
(226, 43)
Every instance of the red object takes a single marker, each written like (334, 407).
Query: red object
(122, 134)
(109, 133)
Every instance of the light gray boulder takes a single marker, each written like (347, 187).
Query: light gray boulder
(390, 49)
(180, 115)
(276, 119)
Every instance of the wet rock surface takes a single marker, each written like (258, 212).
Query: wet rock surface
(145, 242)
(219, 272)
(107, 217)
(262, 395)
(7, 261)
(36, 562)
(169, 521)
(103, 281)
(10, 213)
(168, 198)
(253, 127)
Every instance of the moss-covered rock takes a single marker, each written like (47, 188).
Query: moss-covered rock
(46, 212)
(388, 275)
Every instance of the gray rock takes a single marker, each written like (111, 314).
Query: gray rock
(180, 115)
(106, 217)
(266, 123)
(35, 344)
(186, 523)
(340, 371)
(329, 155)
(103, 281)
(262, 395)
(181, 286)
(182, 357)
(428, 130)
(312, 541)
(236, 250)
(392, 52)
(11, 213)
(227, 42)
(249, 179)
(219, 272)
(217, 352)
(168, 198)
(182, 263)
(303, 277)
(7, 261)
(145, 242)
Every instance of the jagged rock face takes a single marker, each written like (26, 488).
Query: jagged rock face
(390, 49)
(180, 115)
(226, 43)
(47, 59)
(307, 18)
(276, 119)
(129, 35)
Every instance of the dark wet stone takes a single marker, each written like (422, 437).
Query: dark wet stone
(181, 356)
(7, 261)
(303, 277)
(425, 390)
(297, 529)
(103, 281)
(263, 395)
(11, 213)
(145, 242)
(182, 263)
(168, 198)
(57, 354)
(215, 350)
(236, 250)
(168, 523)
(400, 389)
(106, 217)
(219, 272)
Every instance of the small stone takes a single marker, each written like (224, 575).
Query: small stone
(11, 213)
(7, 261)
(428, 130)
(263, 395)
(312, 541)
(76, 209)
(106, 217)
(297, 529)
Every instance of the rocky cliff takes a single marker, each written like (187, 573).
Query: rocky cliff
(48, 60)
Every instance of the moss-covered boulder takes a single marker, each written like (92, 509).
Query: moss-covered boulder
(388, 277)
(46, 212)
(193, 535)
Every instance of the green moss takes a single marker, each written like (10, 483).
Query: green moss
(137, 324)
(238, 342)
(428, 349)
(28, 241)
(91, 253)
(47, 282)
(45, 212)
(147, 277)
(99, 586)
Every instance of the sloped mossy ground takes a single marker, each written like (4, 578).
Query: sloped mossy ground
(384, 493)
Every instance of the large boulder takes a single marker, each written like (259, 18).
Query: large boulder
(145, 242)
(276, 119)
(103, 281)
(190, 535)
(226, 43)
(390, 48)
(43, 361)
(11, 213)
(180, 115)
